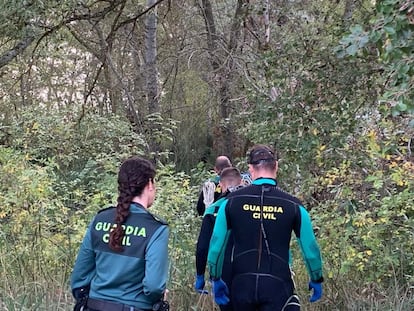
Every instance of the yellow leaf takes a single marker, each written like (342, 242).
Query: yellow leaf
(400, 183)
(372, 134)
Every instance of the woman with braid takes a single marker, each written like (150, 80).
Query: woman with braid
(122, 262)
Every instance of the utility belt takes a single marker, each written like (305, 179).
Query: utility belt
(105, 305)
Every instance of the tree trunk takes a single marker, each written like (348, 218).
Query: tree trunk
(223, 68)
(151, 59)
(151, 75)
(266, 17)
(139, 76)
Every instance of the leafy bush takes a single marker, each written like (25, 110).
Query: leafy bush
(54, 176)
(388, 37)
(176, 201)
(365, 220)
(35, 243)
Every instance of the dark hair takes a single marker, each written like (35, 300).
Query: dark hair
(134, 174)
(263, 156)
(221, 163)
(230, 172)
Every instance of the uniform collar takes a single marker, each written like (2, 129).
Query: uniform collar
(263, 181)
(136, 207)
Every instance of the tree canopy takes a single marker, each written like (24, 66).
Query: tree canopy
(329, 84)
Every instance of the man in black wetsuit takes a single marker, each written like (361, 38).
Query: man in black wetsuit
(230, 180)
(211, 190)
(261, 218)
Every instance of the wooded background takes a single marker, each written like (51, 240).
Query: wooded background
(84, 84)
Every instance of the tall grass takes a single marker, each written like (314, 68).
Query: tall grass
(28, 283)
(352, 292)
(31, 281)
(39, 243)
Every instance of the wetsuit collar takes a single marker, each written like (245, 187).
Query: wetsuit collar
(263, 181)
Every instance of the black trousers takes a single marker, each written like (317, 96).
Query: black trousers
(263, 292)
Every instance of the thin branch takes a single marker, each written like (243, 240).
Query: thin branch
(9, 55)
(20, 47)
(111, 65)
(95, 80)
(110, 37)
(86, 44)
(134, 18)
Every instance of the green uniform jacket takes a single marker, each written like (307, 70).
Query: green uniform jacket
(137, 276)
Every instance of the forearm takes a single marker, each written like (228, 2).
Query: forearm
(310, 248)
(217, 244)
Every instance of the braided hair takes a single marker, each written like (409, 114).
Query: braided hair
(134, 174)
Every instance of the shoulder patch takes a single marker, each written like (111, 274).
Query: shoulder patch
(158, 219)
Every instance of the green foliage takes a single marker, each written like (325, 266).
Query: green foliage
(355, 176)
(175, 202)
(354, 42)
(20, 19)
(72, 139)
(366, 206)
(316, 99)
(190, 139)
(350, 162)
(54, 176)
(83, 151)
(35, 244)
(390, 36)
